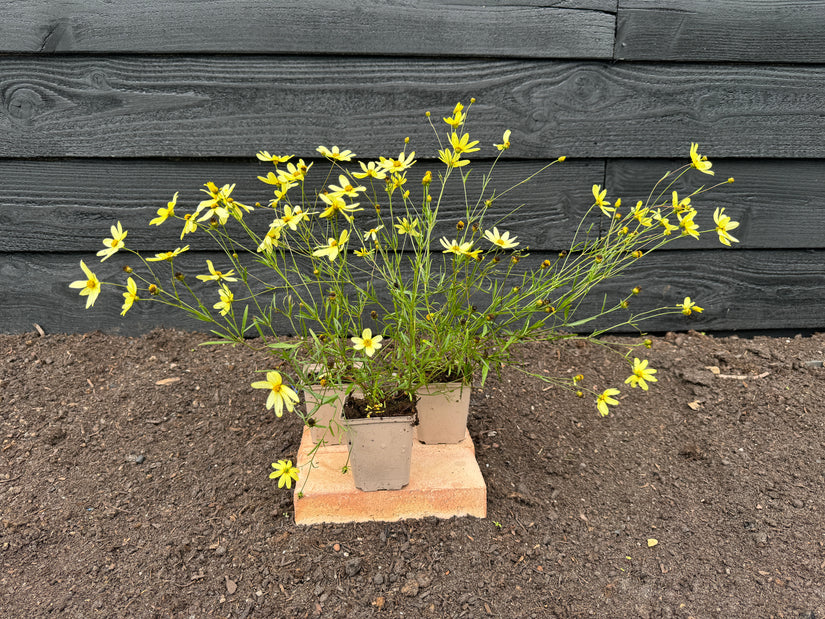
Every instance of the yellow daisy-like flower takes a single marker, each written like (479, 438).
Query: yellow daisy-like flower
(501, 240)
(90, 287)
(664, 223)
(190, 224)
(333, 247)
(336, 204)
(605, 398)
(370, 235)
(457, 118)
(168, 255)
(462, 144)
(345, 188)
(113, 244)
(295, 172)
(285, 473)
(688, 225)
(599, 195)
(371, 170)
(165, 213)
(335, 154)
(688, 307)
(217, 276)
(404, 226)
(292, 217)
(452, 159)
(723, 225)
(130, 296)
(640, 214)
(368, 342)
(641, 375)
(700, 162)
(450, 247)
(265, 156)
(225, 304)
(394, 166)
(682, 205)
(505, 141)
(280, 395)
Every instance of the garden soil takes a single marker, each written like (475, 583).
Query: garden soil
(134, 483)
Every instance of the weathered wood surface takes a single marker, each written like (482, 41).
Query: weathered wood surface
(738, 289)
(129, 106)
(70, 205)
(789, 31)
(568, 29)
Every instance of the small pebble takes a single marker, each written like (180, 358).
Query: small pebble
(140, 459)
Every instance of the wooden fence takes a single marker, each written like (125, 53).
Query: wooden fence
(107, 109)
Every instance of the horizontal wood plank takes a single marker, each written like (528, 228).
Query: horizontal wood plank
(70, 205)
(568, 29)
(759, 290)
(129, 106)
(734, 30)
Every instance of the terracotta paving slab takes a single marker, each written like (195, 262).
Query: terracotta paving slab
(445, 481)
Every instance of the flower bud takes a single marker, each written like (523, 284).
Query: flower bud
(637, 253)
(428, 178)
(579, 394)
(546, 264)
(459, 225)
(648, 343)
(127, 269)
(624, 304)
(636, 290)
(179, 276)
(153, 290)
(374, 315)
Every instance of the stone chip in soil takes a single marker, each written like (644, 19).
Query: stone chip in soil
(199, 529)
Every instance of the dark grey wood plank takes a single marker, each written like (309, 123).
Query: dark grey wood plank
(738, 289)
(69, 205)
(734, 30)
(231, 106)
(776, 202)
(422, 27)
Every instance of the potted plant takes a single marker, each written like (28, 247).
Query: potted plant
(378, 296)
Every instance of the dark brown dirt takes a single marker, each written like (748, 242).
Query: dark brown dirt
(134, 483)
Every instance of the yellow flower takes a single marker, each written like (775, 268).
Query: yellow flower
(280, 395)
(680, 205)
(217, 276)
(190, 224)
(606, 398)
(405, 227)
(457, 118)
(337, 204)
(113, 244)
(599, 195)
(335, 154)
(225, 304)
(663, 221)
(165, 213)
(688, 226)
(368, 342)
(130, 296)
(370, 170)
(284, 472)
(641, 373)
(371, 233)
(501, 240)
(345, 188)
(168, 255)
(505, 141)
(700, 162)
(688, 307)
(292, 217)
(640, 214)
(450, 247)
(90, 286)
(451, 159)
(723, 224)
(216, 205)
(403, 162)
(463, 144)
(265, 156)
(333, 247)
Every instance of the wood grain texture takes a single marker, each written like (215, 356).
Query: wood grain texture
(129, 106)
(735, 30)
(739, 290)
(568, 29)
(58, 206)
(776, 202)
